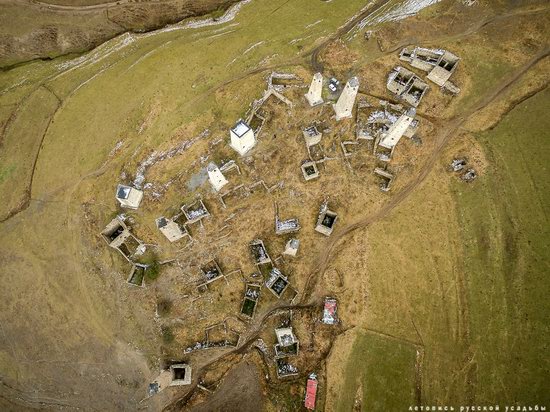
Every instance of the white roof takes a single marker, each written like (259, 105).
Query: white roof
(240, 128)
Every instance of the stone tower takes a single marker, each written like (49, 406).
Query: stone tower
(216, 177)
(344, 105)
(242, 137)
(313, 96)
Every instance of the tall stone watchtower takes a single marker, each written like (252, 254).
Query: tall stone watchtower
(344, 106)
(242, 137)
(313, 96)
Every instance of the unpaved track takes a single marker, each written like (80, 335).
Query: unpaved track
(446, 131)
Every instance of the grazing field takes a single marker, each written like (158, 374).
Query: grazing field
(379, 374)
(504, 225)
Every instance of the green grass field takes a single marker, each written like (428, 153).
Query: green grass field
(505, 230)
(382, 371)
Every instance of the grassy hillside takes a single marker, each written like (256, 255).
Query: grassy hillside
(505, 232)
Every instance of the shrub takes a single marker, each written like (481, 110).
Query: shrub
(153, 270)
(163, 307)
(167, 334)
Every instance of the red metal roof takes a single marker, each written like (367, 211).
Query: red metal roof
(330, 306)
(311, 393)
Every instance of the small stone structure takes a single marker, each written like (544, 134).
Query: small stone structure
(406, 85)
(344, 106)
(314, 95)
(242, 137)
(195, 211)
(469, 176)
(438, 63)
(211, 271)
(128, 196)
(177, 375)
(277, 282)
(137, 275)
(325, 220)
(181, 374)
(285, 369)
(287, 344)
(310, 170)
(285, 226)
(330, 315)
(250, 299)
(171, 229)
(291, 248)
(387, 178)
(259, 252)
(458, 164)
(312, 135)
(118, 236)
(216, 177)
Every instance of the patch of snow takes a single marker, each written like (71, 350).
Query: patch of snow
(392, 11)
(313, 24)
(253, 46)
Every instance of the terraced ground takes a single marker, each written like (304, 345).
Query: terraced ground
(441, 284)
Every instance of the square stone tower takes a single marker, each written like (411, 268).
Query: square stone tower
(344, 106)
(313, 96)
(242, 137)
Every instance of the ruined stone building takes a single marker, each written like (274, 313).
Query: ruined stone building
(291, 248)
(195, 211)
(325, 220)
(176, 375)
(439, 64)
(118, 236)
(390, 138)
(385, 177)
(171, 229)
(285, 226)
(259, 252)
(406, 85)
(310, 170)
(287, 344)
(277, 282)
(312, 135)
